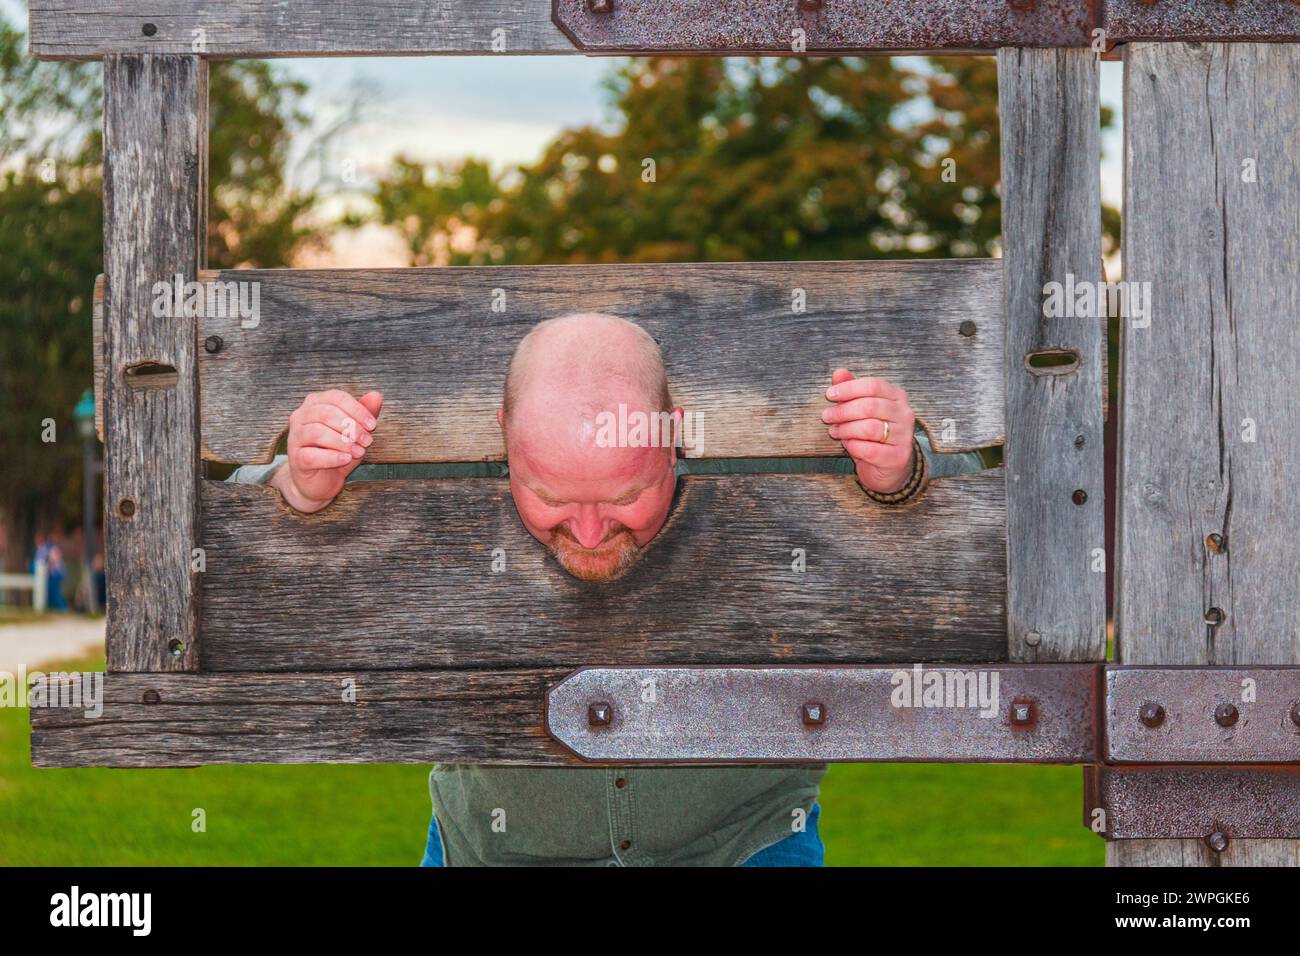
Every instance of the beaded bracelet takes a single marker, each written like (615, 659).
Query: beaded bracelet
(908, 490)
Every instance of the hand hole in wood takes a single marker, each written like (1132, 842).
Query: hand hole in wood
(1052, 361)
(151, 375)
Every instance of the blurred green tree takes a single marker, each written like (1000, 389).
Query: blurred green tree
(51, 231)
(734, 159)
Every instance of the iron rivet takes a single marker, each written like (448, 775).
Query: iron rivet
(1079, 441)
(149, 29)
(1295, 713)
(177, 648)
(1152, 714)
(600, 715)
(813, 713)
(151, 697)
(1214, 544)
(1214, 616)
(967, 328)
(600, 6)
(1022, 713)
(1079, 497)
(1225, 715)
(1217, 841)
(213, 344)
(126, 507)
(1033, 638)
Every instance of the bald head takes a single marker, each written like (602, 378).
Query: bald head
(594, 502)
(590, 357)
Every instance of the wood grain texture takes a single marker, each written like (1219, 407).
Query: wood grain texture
(398, 574)
(155, 147)
(484, 717)
(1051, 228)
(1220, 254)
(430, 341)
(82, 30)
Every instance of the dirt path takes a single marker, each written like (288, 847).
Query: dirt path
(28, 646)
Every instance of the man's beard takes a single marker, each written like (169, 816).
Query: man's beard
(605, 562)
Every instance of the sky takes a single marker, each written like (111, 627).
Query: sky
(506, 108)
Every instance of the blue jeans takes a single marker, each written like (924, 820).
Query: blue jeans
(798, 849)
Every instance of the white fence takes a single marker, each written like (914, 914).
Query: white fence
(36, 583)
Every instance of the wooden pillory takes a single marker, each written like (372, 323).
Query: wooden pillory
(1192, 740)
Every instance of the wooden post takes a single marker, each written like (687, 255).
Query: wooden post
(155, 157)
(1051, 233)
(1209, 472)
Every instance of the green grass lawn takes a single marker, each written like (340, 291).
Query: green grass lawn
(872, 814)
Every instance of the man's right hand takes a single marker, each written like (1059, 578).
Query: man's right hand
(328, 436)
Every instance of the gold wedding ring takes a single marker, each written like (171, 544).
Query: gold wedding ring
(885, 440)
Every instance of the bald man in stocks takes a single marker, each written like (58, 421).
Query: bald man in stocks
(596, 505)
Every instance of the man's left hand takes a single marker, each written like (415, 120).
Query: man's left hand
(870, 417)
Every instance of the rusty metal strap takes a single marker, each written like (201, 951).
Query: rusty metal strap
(1039, 713)
(1212, 802)
(822, 26)
(1013, 713)
(1234, 715)
(1181, 20)
(877, 26)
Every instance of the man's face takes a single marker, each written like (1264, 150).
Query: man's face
(595, 508)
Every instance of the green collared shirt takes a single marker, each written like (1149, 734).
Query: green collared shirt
(620, 816)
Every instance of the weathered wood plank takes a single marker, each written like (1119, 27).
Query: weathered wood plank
(1051, 227)
(1208, 444)
(500, 717)
(155, 148)
(81, 29)
(398, 575)
(737, 354)
(493, 717)
(424, 335)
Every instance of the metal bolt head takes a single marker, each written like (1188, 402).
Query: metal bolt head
(1033, 638)
(1214, 616)
(1217, 841)
(149, 29)
(813, 713)
(1022, 712)
(1079, 497)
(1152, 714)
(600, 715)
(600, 6)
(1214, 544)
(1225, 715)
(967, 328)
(1080, 441)
(212, 344)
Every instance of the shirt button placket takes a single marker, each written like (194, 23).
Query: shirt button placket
(621, 823)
